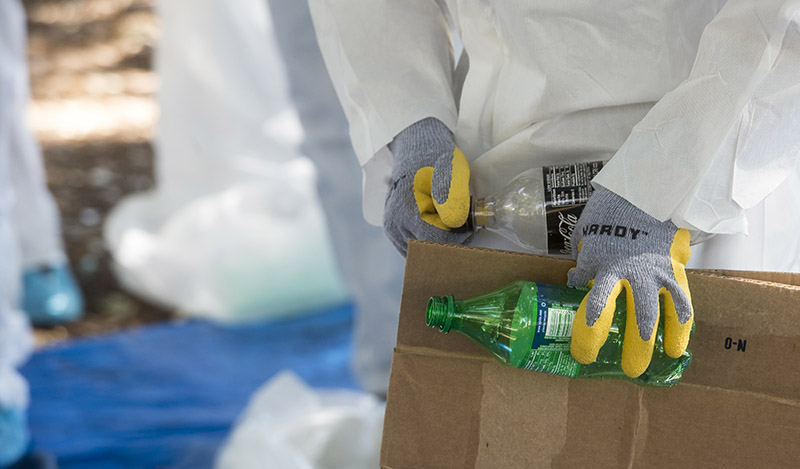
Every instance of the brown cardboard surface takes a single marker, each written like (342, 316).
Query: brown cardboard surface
(788, 278)
(451, 405)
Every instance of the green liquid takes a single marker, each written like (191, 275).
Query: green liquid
(528, 325)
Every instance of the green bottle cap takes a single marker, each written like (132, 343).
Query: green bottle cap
(440, 312)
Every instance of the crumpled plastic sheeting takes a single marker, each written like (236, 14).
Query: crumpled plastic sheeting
(256, 250)
(292, 426)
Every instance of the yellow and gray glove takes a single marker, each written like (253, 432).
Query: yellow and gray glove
(621, 247)
(428, 195)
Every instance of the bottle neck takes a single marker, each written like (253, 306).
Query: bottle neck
(441, 311)
(481, 213)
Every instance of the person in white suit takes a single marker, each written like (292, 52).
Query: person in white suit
(694, 107)
(36, 284)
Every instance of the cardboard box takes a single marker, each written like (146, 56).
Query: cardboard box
(451, 405)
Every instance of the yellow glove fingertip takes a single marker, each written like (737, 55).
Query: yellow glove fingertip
(587, 340)
(676, 335)
(455, 210)
(583, 349)
(677, 345)
(637, 358)
(636, 353)
(680, 251)
(460, 185)
(423, 181)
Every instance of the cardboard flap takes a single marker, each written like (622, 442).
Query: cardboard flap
(746, 335)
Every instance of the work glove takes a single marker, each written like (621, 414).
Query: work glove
(621, 247)
(428, 195)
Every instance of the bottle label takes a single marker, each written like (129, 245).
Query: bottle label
(567, 188)
(550, 349)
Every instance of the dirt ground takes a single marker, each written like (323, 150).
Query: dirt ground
(93, 110)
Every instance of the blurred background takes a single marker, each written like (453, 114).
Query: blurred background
(217, 330)
(94, 112)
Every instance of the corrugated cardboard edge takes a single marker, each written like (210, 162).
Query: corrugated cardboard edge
(776, 278)
(783, 278)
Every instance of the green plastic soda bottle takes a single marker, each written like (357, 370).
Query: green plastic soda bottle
(528, 325)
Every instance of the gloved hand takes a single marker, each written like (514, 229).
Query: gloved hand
(622, 247)
(429, 193)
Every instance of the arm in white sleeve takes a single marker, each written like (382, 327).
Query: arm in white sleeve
(391, 62)
(726, 137)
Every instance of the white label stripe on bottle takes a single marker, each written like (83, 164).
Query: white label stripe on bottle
(559, 323)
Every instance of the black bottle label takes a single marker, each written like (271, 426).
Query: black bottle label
(567, 188)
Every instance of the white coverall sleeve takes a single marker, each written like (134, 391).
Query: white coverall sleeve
(391, 63)
(727, 136)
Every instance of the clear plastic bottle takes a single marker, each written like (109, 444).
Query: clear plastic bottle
(529, 325)
(539, 208)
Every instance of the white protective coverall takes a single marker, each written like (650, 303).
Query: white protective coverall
(29, 221)
(695, 103)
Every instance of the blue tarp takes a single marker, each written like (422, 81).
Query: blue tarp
(167, 395)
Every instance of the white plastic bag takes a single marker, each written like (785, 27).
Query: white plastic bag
(233, 229)
(256, 250)
(291, 426)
